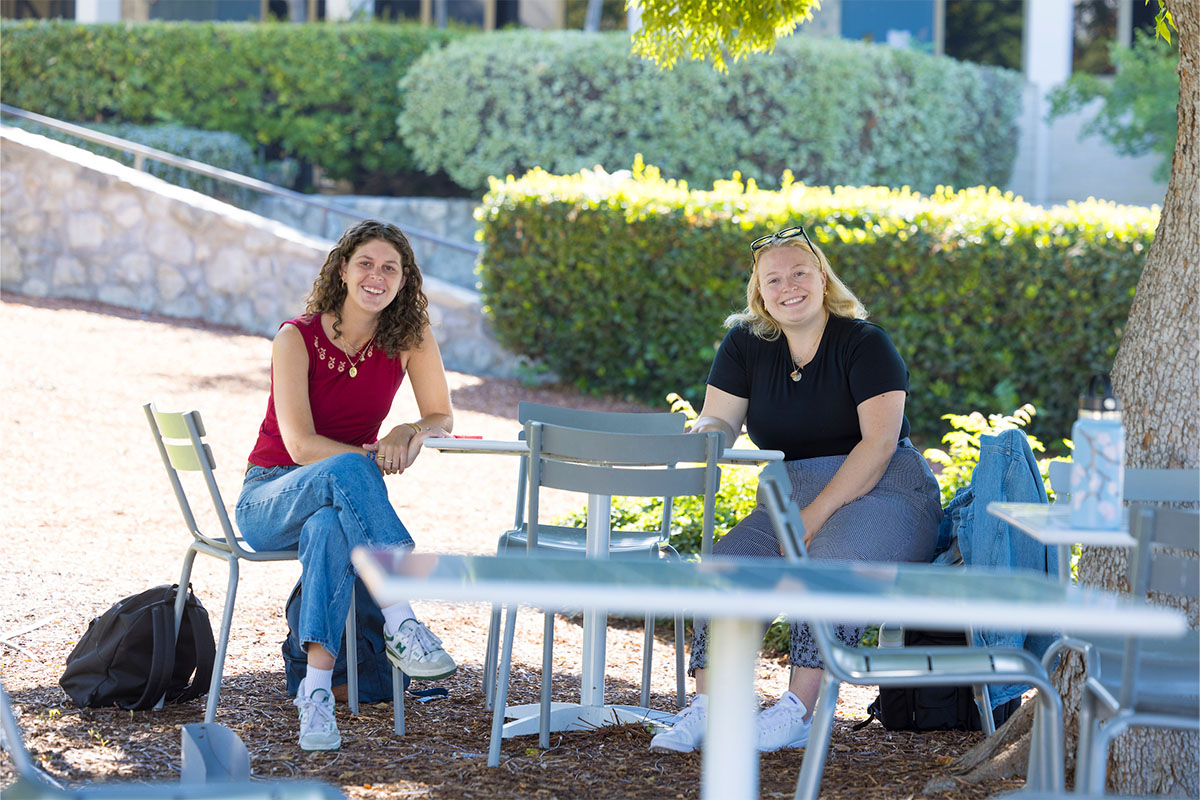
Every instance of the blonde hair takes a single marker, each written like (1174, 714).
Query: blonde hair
(838, 301)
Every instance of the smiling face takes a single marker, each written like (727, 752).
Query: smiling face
(792, 285)
(374, 275)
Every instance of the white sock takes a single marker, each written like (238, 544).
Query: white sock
(699, 699)
(318, 679)
(792, 700)
(394, 614)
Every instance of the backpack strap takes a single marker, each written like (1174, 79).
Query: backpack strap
(162, 660)
(205, 649)
(872, 715)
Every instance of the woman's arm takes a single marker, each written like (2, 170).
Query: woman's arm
(722, 412)
(880, 419)
(289, 368)
(428, 379)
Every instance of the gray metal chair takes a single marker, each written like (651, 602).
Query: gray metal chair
(1141, 486)
(33, 783)
(605, 463)
(1137, 681)
(909, 666)
(180, 440)
(562, 539)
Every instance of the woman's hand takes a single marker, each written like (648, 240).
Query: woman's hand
(397, 451)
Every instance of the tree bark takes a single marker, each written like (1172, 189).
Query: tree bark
(1157, 378)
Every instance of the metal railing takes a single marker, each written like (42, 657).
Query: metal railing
(141, 152)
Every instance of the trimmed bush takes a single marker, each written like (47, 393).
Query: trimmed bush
(831, 111)
(323, 93)
(620, 283)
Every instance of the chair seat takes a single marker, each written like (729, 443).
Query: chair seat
(932, 666)
(564, 538)
(1168, 672)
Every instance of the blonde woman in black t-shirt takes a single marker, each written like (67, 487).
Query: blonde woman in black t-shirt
(806, 374)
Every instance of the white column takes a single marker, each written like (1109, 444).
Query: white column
(97, 11)
(349, 9)
(633, 16)
(1046, 62)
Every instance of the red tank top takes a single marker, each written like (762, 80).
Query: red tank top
(345, 409)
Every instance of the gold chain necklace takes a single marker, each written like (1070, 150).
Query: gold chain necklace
(798, 373)
(361, 353)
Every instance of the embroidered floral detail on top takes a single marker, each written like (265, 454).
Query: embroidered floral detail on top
(334, 363)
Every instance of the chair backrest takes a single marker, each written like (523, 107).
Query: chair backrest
(621, 464)
(180, 440)
(1164, 561)
(775, 493)
(1060, 479)
(1141, 485)
(608, 421)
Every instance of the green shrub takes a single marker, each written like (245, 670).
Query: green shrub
(323, 93)
(620, 283)
(831, 111)
(216, 148)
(1138, 115)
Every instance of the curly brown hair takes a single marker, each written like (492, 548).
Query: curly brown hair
(403, 322)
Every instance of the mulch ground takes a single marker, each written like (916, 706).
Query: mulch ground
(88, 518)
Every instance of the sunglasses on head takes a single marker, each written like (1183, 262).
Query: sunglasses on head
(783, 235)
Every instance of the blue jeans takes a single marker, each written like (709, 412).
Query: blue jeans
(323, 510)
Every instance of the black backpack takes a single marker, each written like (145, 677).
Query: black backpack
(374, 669)
(932, 708)
(129, 657)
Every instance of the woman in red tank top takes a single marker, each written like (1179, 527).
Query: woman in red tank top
(316, 476)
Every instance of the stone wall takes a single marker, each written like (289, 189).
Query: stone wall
(449, 218)
(77, 225)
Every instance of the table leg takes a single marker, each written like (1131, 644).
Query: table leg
(730, 767)
(595, 621)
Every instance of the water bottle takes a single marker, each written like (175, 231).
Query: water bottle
(1098, 471)
(891, 636)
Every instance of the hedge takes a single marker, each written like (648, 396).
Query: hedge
(620, 283)
(323, 93)
(831, 111)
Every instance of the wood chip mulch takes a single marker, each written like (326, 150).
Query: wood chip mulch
(88, 518)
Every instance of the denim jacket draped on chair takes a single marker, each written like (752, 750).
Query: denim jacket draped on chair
(1006, 472)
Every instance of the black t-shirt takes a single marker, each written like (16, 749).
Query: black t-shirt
(817, 415)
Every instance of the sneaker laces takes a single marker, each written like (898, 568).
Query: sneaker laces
(781, 715)
(423, 641)
(690, 715)
(317, 714)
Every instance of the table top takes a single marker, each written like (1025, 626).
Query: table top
(518, 448)
(842, 592)
(1051, 524)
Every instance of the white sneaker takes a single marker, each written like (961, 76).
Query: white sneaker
(418, 653)
(318, 728)
(783, 725)
(687, 733)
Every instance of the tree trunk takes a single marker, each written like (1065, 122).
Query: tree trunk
(1157, 378)
(1158, 381)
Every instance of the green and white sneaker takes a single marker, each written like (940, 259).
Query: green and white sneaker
(418, 653)
(318, 727)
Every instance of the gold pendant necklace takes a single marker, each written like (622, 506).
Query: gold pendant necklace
(361, 353)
